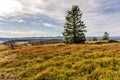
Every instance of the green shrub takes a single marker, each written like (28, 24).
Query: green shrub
(68, 65)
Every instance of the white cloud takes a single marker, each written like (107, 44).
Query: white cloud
(50, 8)
(19, 20)
(22, 32)
(9, 7)
(50, 25)
(96, 20)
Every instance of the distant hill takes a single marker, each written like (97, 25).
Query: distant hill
(30, 38)
(99, 37)
(50, 38)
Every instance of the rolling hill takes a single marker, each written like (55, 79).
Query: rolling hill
(61, 62)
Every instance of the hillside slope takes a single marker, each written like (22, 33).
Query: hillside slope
(61, 62)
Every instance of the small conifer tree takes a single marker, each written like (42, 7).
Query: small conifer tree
(105, 36)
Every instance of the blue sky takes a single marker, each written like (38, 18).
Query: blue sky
(36, 18)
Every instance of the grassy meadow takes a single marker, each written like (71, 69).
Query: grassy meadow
(61, 62)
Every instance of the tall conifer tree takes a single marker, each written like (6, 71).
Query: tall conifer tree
(74, 27)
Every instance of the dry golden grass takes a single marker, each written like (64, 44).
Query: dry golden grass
(63, 62)
(3, 47)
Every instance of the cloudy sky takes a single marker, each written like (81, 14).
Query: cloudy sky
(28, 18)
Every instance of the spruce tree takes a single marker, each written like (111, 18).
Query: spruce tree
(105, 36)
(74, 27)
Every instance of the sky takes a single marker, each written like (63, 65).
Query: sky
(41, 18)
